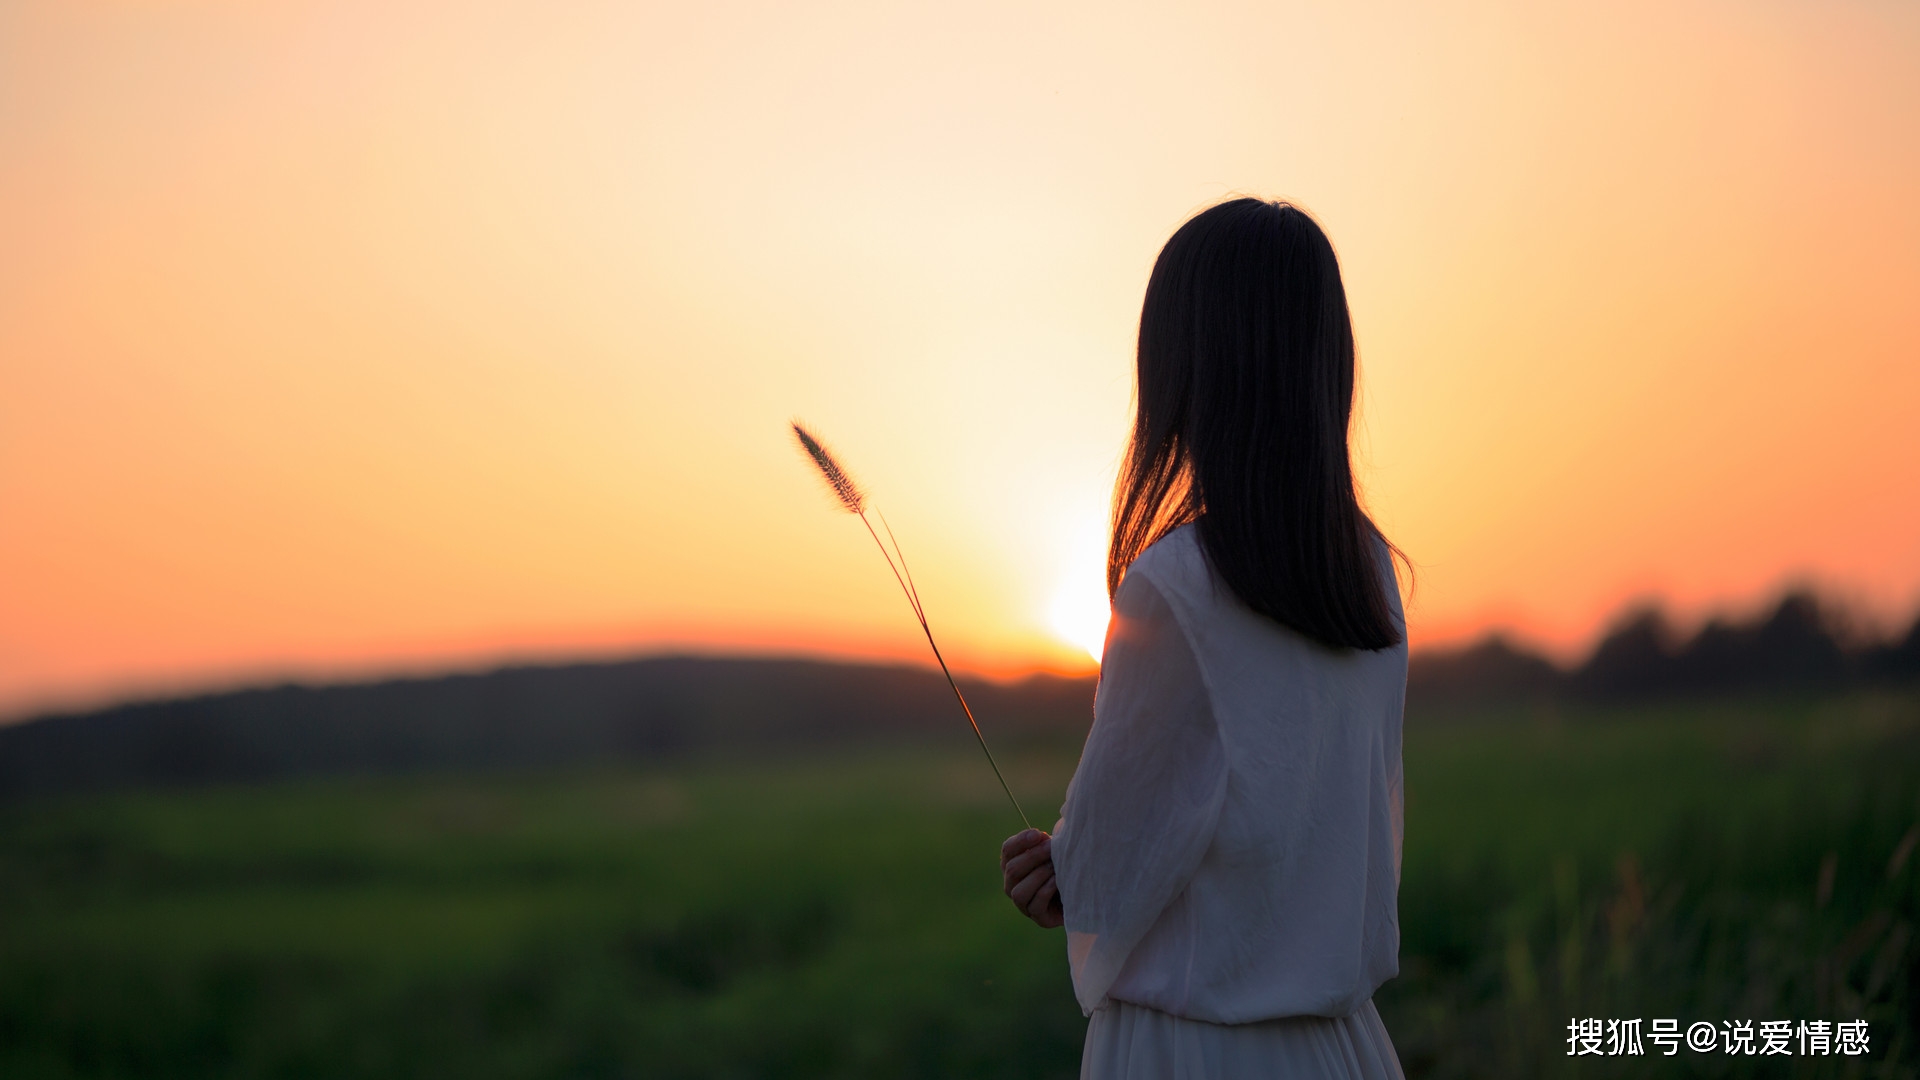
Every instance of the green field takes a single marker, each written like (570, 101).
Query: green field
(840, 914)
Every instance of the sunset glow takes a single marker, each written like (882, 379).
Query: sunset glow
(1080, 609)
(351, 337)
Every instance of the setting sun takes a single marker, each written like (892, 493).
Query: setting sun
(1079, 614)
(1080, 610)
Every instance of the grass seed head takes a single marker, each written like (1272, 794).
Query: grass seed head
(842, 485)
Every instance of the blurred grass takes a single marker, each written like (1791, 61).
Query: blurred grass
(841, 916)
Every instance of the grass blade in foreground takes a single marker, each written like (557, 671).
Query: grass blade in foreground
(854, 501)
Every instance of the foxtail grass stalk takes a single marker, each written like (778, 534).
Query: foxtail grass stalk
(854, 501)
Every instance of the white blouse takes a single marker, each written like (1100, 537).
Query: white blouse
(1229, 849)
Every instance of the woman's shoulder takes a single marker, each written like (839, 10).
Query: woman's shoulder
(1177, 567)
(1174, 561)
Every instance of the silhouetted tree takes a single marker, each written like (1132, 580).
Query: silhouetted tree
(1792, 646)
(1634, 659)
(1897, 660)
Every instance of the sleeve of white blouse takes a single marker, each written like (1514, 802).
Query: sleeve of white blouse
(1143, 804)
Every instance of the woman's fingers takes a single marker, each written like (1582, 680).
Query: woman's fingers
(1054, 918)
(1023, 887)
(1024, 890)
(1026, 871)
(1020, 842)
(1046, 900)
(1022, 864)
(1026, 863)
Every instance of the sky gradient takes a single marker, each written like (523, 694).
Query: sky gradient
(350, 338)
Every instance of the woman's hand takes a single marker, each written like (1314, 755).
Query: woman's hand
(1026, 871)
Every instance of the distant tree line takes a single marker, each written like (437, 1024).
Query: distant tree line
(1802, 643)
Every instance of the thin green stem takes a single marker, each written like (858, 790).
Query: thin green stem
(919, 613)
(913, 600)
(912, 590)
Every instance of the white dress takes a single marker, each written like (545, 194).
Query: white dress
(1228, 856)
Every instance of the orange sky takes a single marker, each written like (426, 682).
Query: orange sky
(355, 337)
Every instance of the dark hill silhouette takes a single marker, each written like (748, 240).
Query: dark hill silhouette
(515, 718)
(1494, 668)
(640, 710)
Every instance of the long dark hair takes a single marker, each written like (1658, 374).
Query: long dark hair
(1245, 395)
